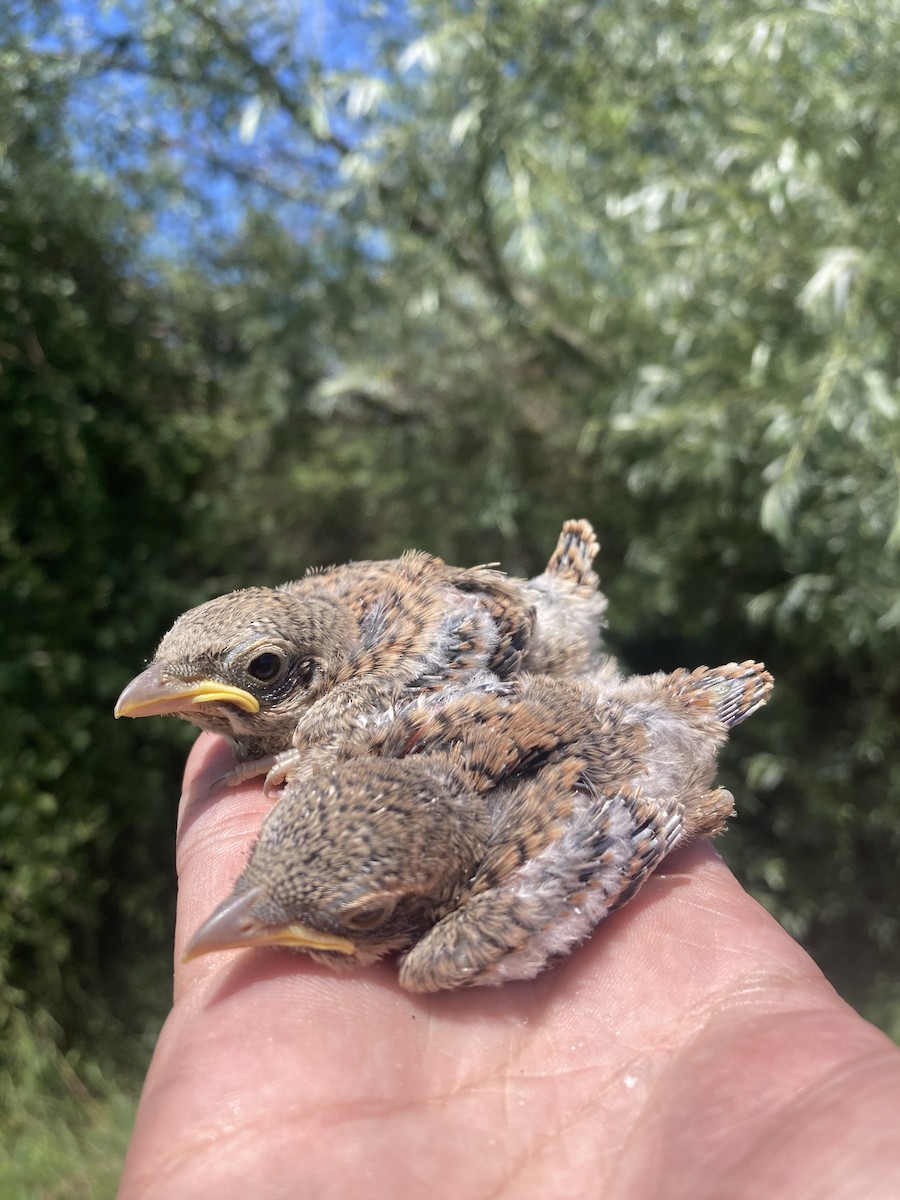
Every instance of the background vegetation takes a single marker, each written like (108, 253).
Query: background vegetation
(285, 284)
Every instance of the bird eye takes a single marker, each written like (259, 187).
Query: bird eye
(266, 667)
(369, 915)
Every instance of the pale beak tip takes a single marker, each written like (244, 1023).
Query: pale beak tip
(229, 927)
(157, 692)
(234, 926)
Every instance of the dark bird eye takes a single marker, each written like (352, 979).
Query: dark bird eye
(368, 916)
(265, 667)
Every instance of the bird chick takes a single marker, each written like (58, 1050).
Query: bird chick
(482, 835)
(326, 649)
(359, 856)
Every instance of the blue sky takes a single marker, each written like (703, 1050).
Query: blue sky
(208, 145)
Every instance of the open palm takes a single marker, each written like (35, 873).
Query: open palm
(689, 1049)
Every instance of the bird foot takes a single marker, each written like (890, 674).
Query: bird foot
(251, 769)
(279, 769)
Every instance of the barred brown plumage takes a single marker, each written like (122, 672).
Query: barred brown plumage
(309, 660)
(482, 831)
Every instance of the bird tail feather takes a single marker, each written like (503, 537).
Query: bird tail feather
(729, 694)
(574, 555)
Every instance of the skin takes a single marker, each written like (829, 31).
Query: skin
(690, 1049)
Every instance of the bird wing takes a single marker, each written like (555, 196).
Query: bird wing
(561, 856)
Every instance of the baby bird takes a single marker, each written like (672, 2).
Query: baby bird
(324, 650)
(487, 829)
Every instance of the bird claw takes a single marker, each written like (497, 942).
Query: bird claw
(280, 766)
(276, 768)
(251, 769)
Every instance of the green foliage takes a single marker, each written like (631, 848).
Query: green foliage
(65, 1133)
(524, 262)
(106, 414)
(86, 508)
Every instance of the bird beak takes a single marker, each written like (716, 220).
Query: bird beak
(233, 927)
(150, 694)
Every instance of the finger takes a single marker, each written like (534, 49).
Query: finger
(216, 829)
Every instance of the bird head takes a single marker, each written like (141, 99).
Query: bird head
(356, 860)
(245, 664)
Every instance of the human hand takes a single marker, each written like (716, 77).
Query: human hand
(689, 1048)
